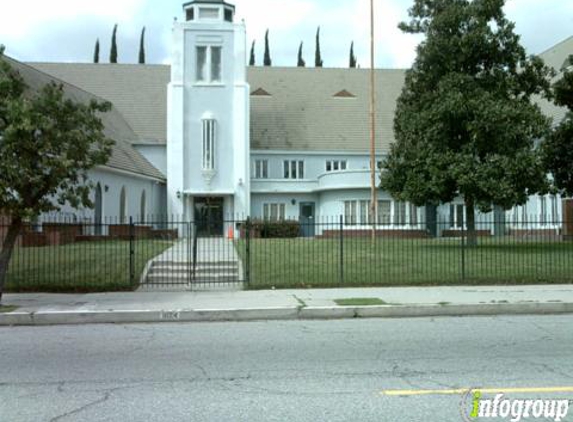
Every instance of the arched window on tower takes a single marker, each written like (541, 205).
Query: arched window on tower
(209, 143)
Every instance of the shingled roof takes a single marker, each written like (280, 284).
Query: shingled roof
(124, 156)
(304, 111)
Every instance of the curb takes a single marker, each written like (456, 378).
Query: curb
(52, 317)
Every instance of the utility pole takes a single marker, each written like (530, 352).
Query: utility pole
(373, 166)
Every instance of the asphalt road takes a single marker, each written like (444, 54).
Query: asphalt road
(278, 371)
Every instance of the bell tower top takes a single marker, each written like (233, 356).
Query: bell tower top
(209, 11)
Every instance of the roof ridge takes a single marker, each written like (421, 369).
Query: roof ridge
(555, 45)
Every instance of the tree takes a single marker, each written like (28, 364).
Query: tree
(558, 147)
(142, 47)
(317, 55)
(352, 61)
(96, 51)
(47, 145)
(300, 60)
(252, 58)
(267, 59)
(113, 51)
(465, 124)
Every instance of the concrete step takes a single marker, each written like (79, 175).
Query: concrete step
(177, 271)
(170, 279)
(199, 263)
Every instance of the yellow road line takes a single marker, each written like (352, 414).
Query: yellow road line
(458, 391)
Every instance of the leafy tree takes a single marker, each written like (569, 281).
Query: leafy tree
(317, 55)
(300, 61)
(267, 59)
(558, 147)
(142, 47)
(96, 51)
(113, 51)
(352, 61)
(47, 145)
(252, 58)
(465, 124)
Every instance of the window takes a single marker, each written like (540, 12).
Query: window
(209, 133)
(413, 214)
(123, 205)
(274, 212)
(554, 210)
(350, 216)
(201, 64)
(293, 169)
(228, 15)
(190, 14)
(365, 214)
(384, 212)
(209, 58)
(400, 213)
(215, 64)
(543, 209)
(456, 215)
(335, 165)
(379, 164)
(208, 13)
(261, 169)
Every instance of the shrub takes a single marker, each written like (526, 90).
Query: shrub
(276, 229)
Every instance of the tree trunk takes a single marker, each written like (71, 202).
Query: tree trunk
(7, 249)
(471, 223)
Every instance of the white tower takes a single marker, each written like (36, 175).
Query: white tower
(208, 116)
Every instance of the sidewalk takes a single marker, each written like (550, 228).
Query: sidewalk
(134, 307)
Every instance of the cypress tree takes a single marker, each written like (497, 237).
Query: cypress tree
(252, 58)
(142, 47)
(267, 59)
(113, 51)
(317, 55)
(300, 62)
(96, 51)
(352, 63)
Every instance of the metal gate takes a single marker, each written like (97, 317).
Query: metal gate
(194, 255)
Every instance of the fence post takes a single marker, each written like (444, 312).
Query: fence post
(341, 235)
(463, 237)
(248, 251)
(195, 236)
(131, 252)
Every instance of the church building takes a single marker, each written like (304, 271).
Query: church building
(210, 136)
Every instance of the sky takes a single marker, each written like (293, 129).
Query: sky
(66, 30)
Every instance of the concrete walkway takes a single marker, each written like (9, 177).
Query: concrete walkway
(218, 267)
(38, 309)
(209, 249)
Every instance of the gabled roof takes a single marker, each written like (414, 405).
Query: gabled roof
(124, 156)
(138, 92)
(302, 113)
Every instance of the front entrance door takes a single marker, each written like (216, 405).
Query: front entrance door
(209, 216)
(306, 218)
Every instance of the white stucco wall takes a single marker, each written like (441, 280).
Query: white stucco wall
(112, 183)
(155, 154)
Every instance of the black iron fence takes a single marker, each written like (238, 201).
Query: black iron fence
(78, 255)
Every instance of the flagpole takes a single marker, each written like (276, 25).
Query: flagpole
(373, 166)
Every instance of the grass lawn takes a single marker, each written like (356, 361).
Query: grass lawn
(7, 308)
(294, 263)
(80, 267)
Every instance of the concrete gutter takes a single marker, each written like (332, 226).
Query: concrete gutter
(58, 317)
